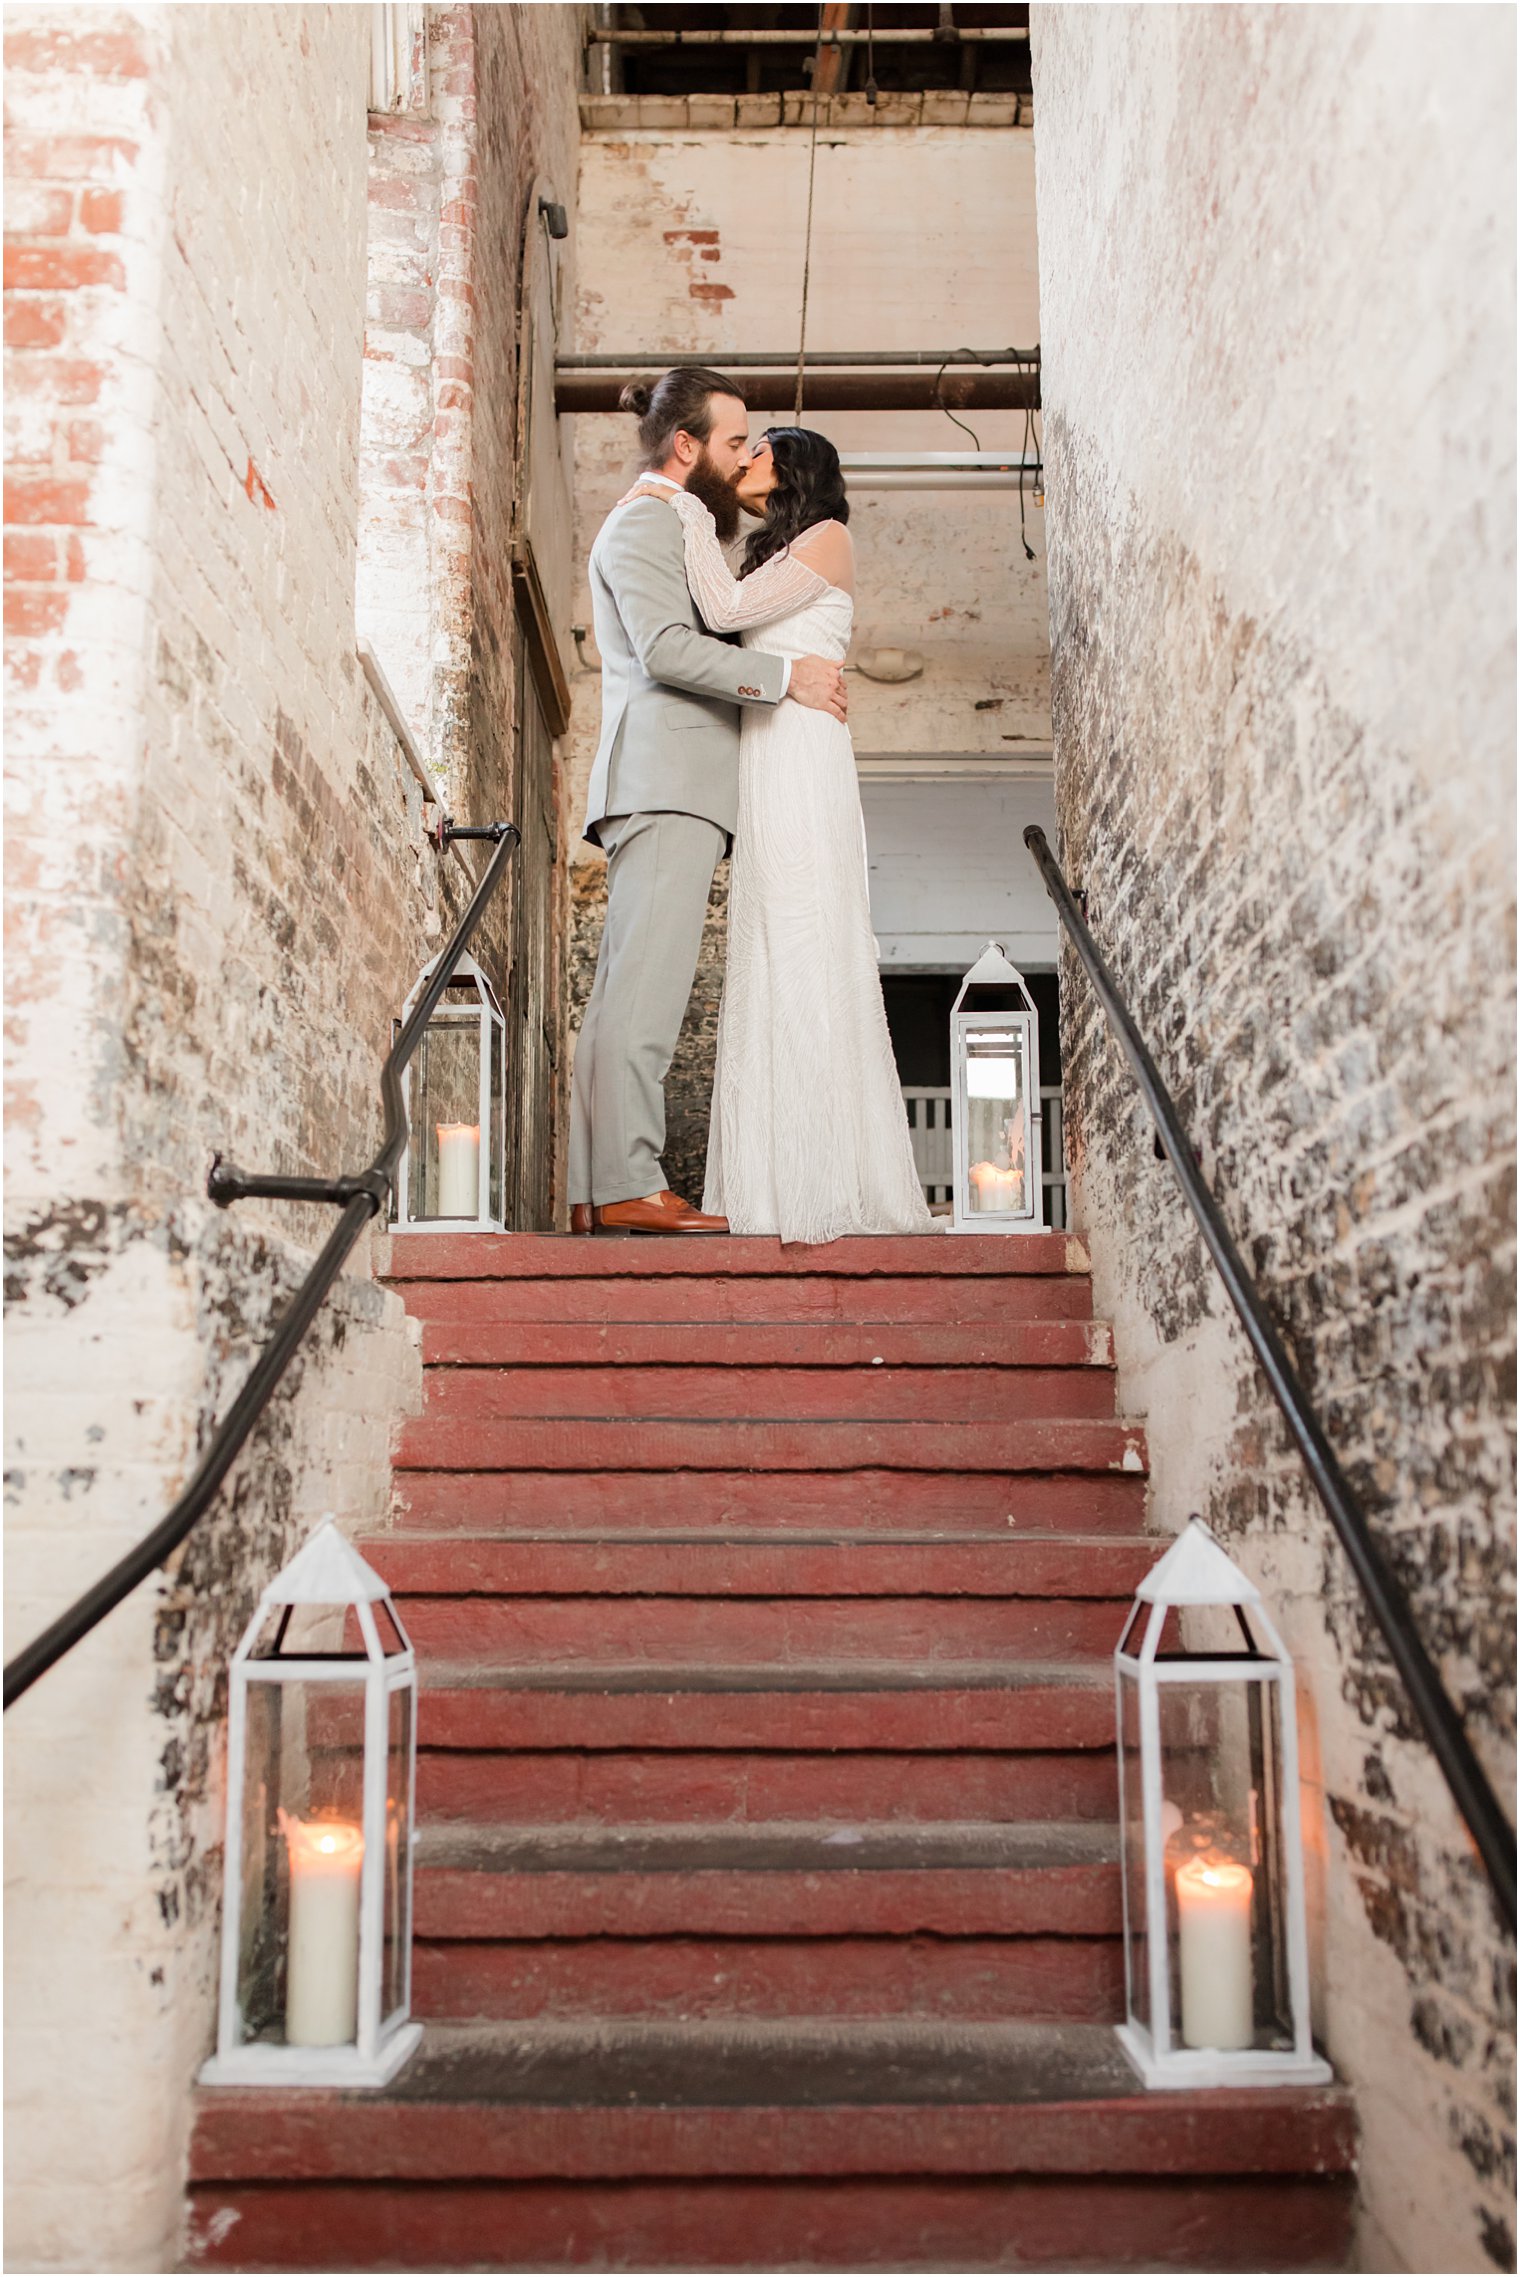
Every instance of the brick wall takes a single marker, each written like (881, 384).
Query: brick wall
(1276, 255)
(415, 531)
(219, 891)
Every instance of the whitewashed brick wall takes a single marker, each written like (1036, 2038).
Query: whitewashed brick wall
(217, 888)
(1277, 271)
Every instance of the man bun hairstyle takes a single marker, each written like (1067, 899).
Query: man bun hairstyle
(680, 401)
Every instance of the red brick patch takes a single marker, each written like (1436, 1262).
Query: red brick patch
(61, 268)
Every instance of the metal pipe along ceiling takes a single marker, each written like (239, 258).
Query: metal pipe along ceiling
(949, 35)
(1005, 379)
(832, 359)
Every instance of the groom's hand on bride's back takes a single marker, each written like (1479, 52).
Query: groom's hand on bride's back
(820, 685)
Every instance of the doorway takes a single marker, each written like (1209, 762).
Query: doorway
(918, 1007)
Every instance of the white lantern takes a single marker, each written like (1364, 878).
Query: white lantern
(995, 1086)
(450, 1177)
(321, 1776)
(1215, 1947)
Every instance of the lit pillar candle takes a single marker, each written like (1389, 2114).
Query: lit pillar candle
(322, 1947)
(458, 1170)
(994, 1189)
(1214, 1953)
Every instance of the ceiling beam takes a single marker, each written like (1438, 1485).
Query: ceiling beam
(826, 389)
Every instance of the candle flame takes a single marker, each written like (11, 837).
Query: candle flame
(321, 1838)
(1215, 1874)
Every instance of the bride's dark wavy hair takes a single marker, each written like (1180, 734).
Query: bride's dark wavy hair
(809, 488)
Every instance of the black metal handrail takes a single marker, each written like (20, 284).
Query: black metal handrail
(359, 1197)
(1464, 1775)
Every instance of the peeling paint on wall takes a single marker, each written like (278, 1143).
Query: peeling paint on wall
(1283, 701)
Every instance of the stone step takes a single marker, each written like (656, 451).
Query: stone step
(540, 1256)
(769, 1920)
(999, 1343)
(684, 1631)
(635, 1785)
(681, 1744)
(1049, 1979)
(891, 1705)
(774, 1878)
(785, 1300)
(747, 2144)
(995, 1503)
(679, 1563)
(577, 1443)
(463, 1398)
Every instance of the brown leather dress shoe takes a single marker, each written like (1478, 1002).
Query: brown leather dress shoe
(580, 1217)
(667, 1214)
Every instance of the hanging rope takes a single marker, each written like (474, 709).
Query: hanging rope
(807, 243)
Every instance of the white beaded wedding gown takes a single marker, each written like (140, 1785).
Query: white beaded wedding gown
(809, 1137)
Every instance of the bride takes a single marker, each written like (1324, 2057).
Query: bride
(809, 1138)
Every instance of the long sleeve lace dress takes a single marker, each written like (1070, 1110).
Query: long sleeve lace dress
(809, 1138)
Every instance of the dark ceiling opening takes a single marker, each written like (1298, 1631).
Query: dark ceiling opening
(936, 56)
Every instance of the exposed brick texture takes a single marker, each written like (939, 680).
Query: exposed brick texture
(1283, 701)
(419, 372)
(219, 891)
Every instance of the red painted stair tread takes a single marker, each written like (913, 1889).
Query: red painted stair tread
(577, 1443)
(670, 1563)
(690, 2097)
(465, 1397)
(516, 1256)
(628, 1786)
(785, 1502)
(999, 1343)
(752, 1304)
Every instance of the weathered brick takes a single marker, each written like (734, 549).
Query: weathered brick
(1286, 790)
(34, 323)
(45, 498)
(32, 210)
(61, 268)
(100, 212)
(115, 52)
(218, 893)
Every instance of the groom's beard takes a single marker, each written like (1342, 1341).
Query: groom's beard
(717, 495)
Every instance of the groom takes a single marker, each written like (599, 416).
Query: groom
(664, 796)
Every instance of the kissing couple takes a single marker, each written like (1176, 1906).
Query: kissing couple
(706, 746)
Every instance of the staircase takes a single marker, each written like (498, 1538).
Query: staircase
(767, 1901)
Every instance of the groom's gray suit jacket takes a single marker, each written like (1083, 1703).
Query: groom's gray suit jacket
(670, 689)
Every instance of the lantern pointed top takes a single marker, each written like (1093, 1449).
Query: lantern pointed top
(327, 1570)
(991, 968)
(1196, 1571)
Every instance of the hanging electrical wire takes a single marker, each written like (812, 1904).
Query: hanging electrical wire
(944, 406)
(1023, 463)
(807, 242)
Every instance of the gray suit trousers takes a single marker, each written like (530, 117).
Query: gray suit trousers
(659, 873)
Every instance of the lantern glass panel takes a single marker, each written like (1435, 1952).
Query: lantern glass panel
(1132, 1835)
(1220, 1753)
(444, 1151)
(492, 1137)
(303, 1847)
(997, 1119)
(397, 1922)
